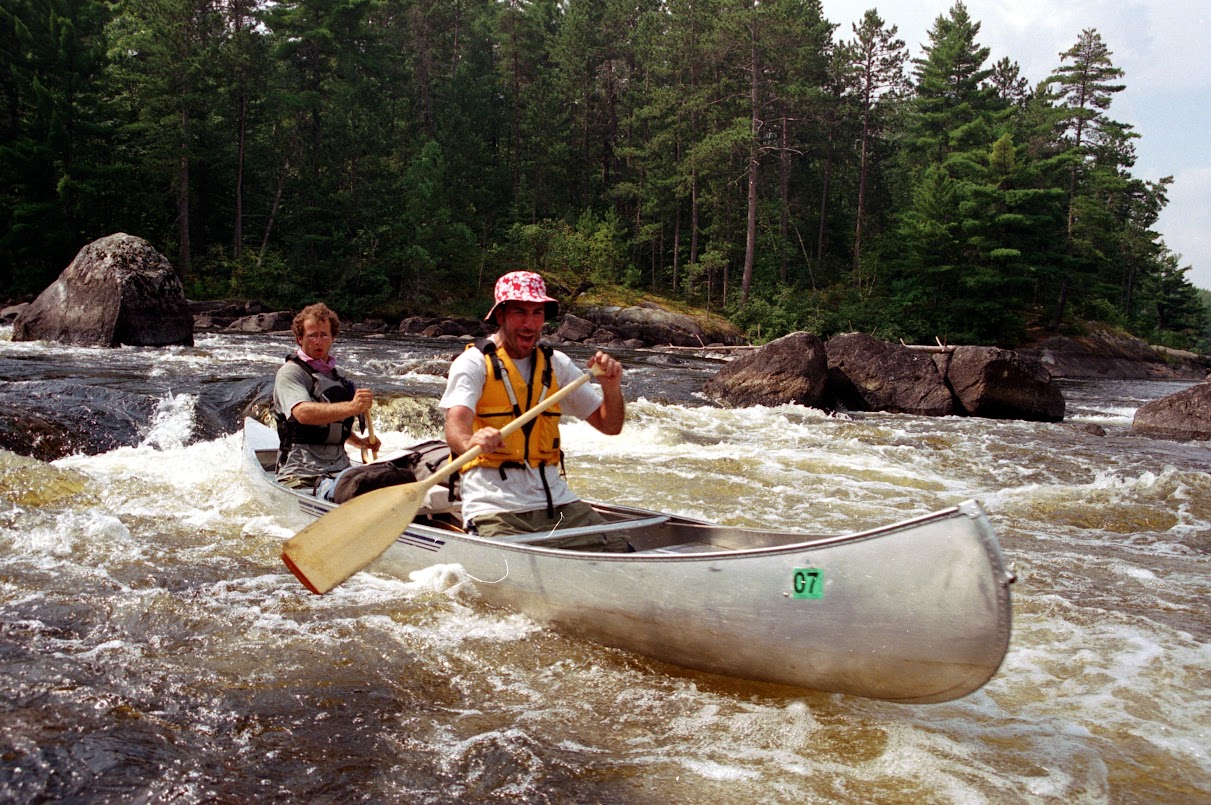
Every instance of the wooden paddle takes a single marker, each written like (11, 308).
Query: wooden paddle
(370, 438)
(355, 533)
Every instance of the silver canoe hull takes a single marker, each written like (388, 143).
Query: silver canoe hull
(914, 612)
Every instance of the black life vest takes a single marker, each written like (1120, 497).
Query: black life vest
(323, 389)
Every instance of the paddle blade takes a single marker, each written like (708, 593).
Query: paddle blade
(351, 536)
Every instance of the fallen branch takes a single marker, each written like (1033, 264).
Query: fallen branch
(929, 347)
(670, 347)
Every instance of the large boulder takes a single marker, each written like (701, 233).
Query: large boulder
(217, 315)
(1000, 384)
(1183, 416)
(274, 322)
(654, 325)
(866, 374)
(118, 290)
(793, 369)
(574, 328)
(51, 419)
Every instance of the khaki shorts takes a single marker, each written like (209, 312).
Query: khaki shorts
(569, 515)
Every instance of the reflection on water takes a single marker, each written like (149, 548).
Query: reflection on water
(152, 646)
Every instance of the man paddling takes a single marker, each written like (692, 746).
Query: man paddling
(315, 407)
(517, 484)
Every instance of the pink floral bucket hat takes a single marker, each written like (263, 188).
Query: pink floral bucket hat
(522, 286)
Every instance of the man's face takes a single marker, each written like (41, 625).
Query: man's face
(520, 326)
(317, 339)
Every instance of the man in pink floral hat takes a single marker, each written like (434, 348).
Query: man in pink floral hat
(517, 484)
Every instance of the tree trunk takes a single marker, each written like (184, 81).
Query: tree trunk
(676, 244)
(277, 197)
(750, 236)
(456, 48)
(237, 237)
(1058, 317)
(424, 67)
(183, 260)
(784, 167)
(862, 168)
(694, 218)
(515, 110)
(825, 182)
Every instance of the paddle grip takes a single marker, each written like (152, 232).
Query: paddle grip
(370, 436)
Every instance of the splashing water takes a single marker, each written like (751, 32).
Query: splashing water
(153, 647)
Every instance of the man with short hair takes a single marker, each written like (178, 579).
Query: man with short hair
(315, 406)
(517, 484)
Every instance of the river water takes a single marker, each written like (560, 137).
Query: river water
(153, 647)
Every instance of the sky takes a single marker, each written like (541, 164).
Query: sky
(1164, 49)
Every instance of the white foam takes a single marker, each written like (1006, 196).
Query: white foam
(173, 422)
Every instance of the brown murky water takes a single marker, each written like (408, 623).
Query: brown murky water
(153, 648)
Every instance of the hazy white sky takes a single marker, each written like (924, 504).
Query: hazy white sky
(1163, 46)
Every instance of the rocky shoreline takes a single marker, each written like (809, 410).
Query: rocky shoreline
(851, 372)
(1102, 353)
(118, 290)
(1099, 354)
(646, 325)
(857, 372)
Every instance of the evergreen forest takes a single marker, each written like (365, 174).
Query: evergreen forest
(747, 157)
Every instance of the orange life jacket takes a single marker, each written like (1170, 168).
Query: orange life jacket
(507, 396)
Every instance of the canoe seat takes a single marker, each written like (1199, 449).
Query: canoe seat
(437, 500)
(268, 459)
(688, 547)
(617, 525)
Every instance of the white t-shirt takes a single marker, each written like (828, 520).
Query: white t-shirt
(481, 488)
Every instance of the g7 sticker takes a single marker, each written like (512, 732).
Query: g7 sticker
(807, 582)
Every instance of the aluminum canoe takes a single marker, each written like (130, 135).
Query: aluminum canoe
(914, 612)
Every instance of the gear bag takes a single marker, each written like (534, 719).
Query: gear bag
(419, 462)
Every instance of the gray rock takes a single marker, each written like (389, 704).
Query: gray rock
(51, 419)
(436, 327)
(866, 374)
(1183, 416)
(9, 314)
(118, 290)
(1104, 353)
(275, 322)
(792, 369)
(1000, 384)
(654, 325)
(574, 328)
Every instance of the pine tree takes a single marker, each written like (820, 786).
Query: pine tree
(874, 63)
(54, 139)
(1084, 85)
(953, 99)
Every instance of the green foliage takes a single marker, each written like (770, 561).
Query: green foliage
(1203, 342)
(593, 251)
(397, 156)
(268, 279)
